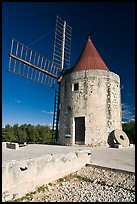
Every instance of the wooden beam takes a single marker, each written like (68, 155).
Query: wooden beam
(34, 66)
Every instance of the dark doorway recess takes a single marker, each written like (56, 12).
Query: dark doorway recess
(80, 130)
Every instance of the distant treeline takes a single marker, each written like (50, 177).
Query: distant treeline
(41, 134)
(38, 134)
(129, 129)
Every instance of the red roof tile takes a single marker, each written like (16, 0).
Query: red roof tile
(90, 59)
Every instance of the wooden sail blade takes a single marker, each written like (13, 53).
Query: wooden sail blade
(31, 65)
(62, 44)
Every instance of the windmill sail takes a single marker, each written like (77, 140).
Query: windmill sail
(31, 65)
(27, 63)
(62, 44)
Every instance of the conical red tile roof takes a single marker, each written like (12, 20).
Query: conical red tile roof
(90, 59)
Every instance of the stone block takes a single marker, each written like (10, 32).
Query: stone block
(12, 146)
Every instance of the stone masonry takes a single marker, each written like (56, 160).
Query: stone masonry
(97, 99)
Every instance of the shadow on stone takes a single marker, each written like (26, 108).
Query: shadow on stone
(111, 140)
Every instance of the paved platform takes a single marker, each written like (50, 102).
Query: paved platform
(123, 158)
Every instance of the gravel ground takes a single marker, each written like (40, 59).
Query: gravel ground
(89, 184)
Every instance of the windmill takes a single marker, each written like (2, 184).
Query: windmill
(27, 63)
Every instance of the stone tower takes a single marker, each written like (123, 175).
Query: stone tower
(90, 101)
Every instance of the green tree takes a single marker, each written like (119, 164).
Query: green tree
(24, 133)
(4, 135)
(27, 133)
(16, 131)
(129, 129)
(21, 136)
(10, 133)
(32, 134)
(45, 135)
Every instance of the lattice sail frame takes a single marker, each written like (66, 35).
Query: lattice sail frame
(62, 44)
(31, 65)
(25, 62)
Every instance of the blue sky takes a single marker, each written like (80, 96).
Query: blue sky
(113, 24)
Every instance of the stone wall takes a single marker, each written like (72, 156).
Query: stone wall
(98, 100)
(23, 176)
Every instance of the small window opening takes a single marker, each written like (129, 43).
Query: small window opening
(76, 87)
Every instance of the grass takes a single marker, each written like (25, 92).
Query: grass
(82, 178)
